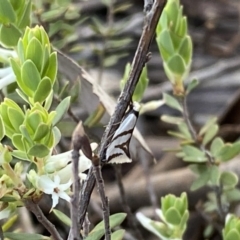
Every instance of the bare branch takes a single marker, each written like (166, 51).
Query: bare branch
(36, 210)
(105, 206)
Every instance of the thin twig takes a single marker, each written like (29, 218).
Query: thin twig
(75, 227)
(139, 61)
(131, 219)
(217, 190)
(79, 141)
(86, 192)
(36, 210)
(105, 206)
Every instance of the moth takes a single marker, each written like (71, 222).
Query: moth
(118, 149)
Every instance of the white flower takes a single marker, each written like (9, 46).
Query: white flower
(66, 173)
(60, 161)
(54, 188)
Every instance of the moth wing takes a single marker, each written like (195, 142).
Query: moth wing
(123, 158)
(119, 147)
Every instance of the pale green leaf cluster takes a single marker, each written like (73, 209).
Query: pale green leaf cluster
(232, 228)
(174, 215)
(31, 129)
(36, 65)
(14, 17)
(175, 45)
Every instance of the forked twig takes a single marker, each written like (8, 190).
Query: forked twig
(217, 190)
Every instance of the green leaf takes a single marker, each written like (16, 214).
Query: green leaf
(2, 129)
(177, 135)
(176, 65)
(57, 135)
(141, 86)
(16, 117)
(208, 231)
(9, 35)
(52, 67)
(95, 117)
(74, 91)
(16, 67)
(24, 236)
(172, 120)
(30, 76)
(192, 85)
(61, 110)
(118, 235)
(165, 42)
(232, 234)
(41, 131)
(43, 90)
(17, 141)
(172, 216)
(228, 151)
(20, 154)
(96, 235)
(7, 14)
(24, 21)
(98, 231)
(193, 154)
(62, 217)
(201, 181)
(33, 120)
(34, 52)
(185, 50)
(183, 128)
(216, 145)
(232, 195)
(228, 179)
(210, 134)
(48, 101)
(172, 102)
(39, 150)
(207, 125)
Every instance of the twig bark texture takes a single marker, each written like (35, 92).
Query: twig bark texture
(139, 61)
